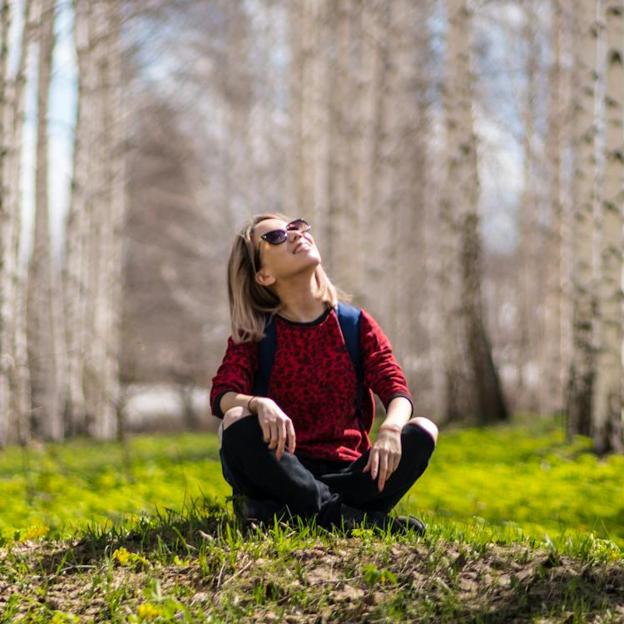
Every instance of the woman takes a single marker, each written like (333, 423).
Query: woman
(294, 391)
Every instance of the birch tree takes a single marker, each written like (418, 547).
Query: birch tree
(5, 217)
(100, 381)
(93, 256)
(412, 135)
(113, 246)
(43, 332)
(528, 230)
(607, 428)
(76, 227)
(482, 392)
(554, 353)
(13, 284)
(582, 368)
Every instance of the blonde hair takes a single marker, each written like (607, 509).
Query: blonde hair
(250, 302)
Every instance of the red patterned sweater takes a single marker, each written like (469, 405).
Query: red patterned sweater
(313, 381)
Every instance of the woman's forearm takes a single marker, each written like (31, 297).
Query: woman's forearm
(234, 399)
(398, 413)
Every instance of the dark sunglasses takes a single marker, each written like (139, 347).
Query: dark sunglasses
(277, 237)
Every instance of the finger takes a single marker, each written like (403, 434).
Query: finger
(375, 464)
(281, 442)
(368, 464)
(266, 431)
(383, 471)
(292, 443)
(393, 464)
(397, 461)
(273, 436)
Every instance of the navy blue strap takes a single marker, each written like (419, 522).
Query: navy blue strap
(349, 319)
(266, 355)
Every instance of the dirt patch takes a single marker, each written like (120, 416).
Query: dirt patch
(334, 580)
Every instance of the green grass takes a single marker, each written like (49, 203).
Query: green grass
(521, 527)
(65, 487)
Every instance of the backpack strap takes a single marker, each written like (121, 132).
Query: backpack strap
(266, 355)
(349, 319)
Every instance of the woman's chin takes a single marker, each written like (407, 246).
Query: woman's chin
(307, 265)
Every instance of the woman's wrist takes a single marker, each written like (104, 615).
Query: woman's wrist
(254, 403)
(390, 427)
(249, 403)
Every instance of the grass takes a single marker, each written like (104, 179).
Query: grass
(521, 527)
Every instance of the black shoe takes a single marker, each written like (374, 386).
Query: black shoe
(353, 518)
(249, 511)
(405, 524)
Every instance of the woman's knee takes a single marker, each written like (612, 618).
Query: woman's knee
(233, 415)
(428, 425)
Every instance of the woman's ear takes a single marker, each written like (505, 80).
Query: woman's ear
(264, 278)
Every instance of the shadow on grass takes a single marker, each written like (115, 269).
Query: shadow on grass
(502, 584)
(565, 594)
(566, 589)
(166, 533)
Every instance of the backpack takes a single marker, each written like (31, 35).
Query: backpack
(349, 320)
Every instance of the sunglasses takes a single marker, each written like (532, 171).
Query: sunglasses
(277, 237)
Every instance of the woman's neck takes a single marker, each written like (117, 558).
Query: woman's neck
(300, 301)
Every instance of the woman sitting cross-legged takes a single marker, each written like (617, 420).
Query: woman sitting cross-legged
(295, 387)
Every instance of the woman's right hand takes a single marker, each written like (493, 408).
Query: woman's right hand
(277, 428)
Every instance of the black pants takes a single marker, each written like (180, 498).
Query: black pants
(311, 487)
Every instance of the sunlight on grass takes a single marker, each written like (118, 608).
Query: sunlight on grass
(501, 484)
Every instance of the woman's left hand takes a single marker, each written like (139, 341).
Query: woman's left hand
(384, 456)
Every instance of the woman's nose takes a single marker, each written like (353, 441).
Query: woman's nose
(296, 234)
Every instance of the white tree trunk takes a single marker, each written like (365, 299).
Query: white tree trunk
(43, 332)
(114, 247)
(447, 332)
(607, 400)
(106, 211)
(583, 195)
(15, 287)
(76, 229)
(341, 214)
(5, 225)
(482, 393)
(554, 370)
(527, 292)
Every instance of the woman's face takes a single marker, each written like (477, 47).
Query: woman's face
(297, 254)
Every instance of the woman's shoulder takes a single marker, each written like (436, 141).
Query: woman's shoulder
(348, 308)
(236, 345)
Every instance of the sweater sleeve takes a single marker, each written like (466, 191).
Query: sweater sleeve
(235, 374)
(382, 372)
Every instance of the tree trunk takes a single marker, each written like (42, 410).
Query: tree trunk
(607, 400)
(483, 391)
(15, 286)
(5, 225)
(527, 293)
(584, 110)
(554, 370)
(43, 332)
(76, 231)
(114, 247)
(446, 330)
(410, 134)
(106, 212)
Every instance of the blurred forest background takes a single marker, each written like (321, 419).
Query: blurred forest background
(461, 164)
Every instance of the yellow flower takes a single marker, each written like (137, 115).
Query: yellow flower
(129, 559)
(148, 612)
(122, 556)
(34, 532)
